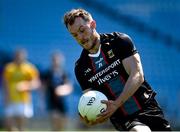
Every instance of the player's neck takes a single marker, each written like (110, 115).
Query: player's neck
(96, 45)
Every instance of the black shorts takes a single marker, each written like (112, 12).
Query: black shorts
(57, 104)
(151, 115)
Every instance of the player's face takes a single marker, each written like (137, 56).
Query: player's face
(20, 56)
(83, 32)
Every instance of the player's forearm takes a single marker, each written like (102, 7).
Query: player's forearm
(35, 83)
(28, 85)
(133, 83)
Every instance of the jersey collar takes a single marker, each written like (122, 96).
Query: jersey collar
(96, 54)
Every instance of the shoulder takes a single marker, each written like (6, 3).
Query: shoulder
(9, 66)
(82, 62)
(122, 37)
(115, 35)
(123, 40)
(122, 44)
(82, 59)
(116, 39)
(31, 68)
(28, 65)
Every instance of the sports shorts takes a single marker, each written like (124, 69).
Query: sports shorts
(19, 110)
(150, 115)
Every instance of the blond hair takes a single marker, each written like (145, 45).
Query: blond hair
(70, 16)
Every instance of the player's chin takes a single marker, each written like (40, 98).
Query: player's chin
(87, 47)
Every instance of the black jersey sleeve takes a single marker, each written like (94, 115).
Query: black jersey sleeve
(80, 76)
(124, 45)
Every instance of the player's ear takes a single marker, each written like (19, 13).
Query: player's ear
(93, 24)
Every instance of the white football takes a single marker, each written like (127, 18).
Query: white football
(90, 104)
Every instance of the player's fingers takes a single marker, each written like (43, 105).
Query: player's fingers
(92, 123)
(89, 123)
(102, 120)
(80, 116)
(104, 102)
(86, 119)
(104, 113)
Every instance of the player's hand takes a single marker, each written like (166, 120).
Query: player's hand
(23, 86)
(111, 108)
(86, 121)
(63, 90)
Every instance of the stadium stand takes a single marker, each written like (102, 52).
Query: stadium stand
(153, 26)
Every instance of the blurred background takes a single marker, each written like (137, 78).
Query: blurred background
(37, 26)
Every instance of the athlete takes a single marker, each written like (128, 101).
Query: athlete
(111, 64)
(19, 78)
(57, 86)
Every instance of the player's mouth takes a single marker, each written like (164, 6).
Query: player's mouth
(83, 42)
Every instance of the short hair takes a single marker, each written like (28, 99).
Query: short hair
(70, 16)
